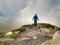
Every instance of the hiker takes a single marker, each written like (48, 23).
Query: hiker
(35, 18)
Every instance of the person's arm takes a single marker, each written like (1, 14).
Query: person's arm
(33, 18)
(37, 18)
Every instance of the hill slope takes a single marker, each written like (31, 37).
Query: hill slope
(32, 35)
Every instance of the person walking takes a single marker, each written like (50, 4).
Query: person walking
(35, 18)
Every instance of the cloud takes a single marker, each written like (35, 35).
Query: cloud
(8, 9)
(14, 13)
(48, 11)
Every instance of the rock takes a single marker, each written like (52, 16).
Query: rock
(9, 33)
(54, 41)
(56, 35)
(16, 32)
(47, 42)
(56, 38)
(32, 36)
(44, 31)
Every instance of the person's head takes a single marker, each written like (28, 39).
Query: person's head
(35, 14)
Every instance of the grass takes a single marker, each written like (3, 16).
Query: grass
(42, 25)
(20, 30)
(1, 34)
(14, 35)
(3, 43)
(30, 26)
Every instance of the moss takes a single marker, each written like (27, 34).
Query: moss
(13, 35)
(1, 34)
(20, 30)
(59, 28)
(6, 43)
(46, 25)
(3, 43)
(40, 25)
(30, 26)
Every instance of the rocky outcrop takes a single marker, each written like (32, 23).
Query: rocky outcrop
(54, 41)
(31, 35)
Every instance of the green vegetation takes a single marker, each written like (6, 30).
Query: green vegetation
(29, 26)
(1, 34)
(40, 25)
(45, 25)
(14, 35)
(20, 30)
(49, 27)
(59, 28)
(53, 28)
(3, 43)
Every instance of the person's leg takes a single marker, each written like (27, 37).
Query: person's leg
(35, 23)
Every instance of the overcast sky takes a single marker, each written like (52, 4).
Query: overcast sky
(14, 13)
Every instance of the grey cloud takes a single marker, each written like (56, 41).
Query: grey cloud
(18, 11)
(47, 10)
(8, 9)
